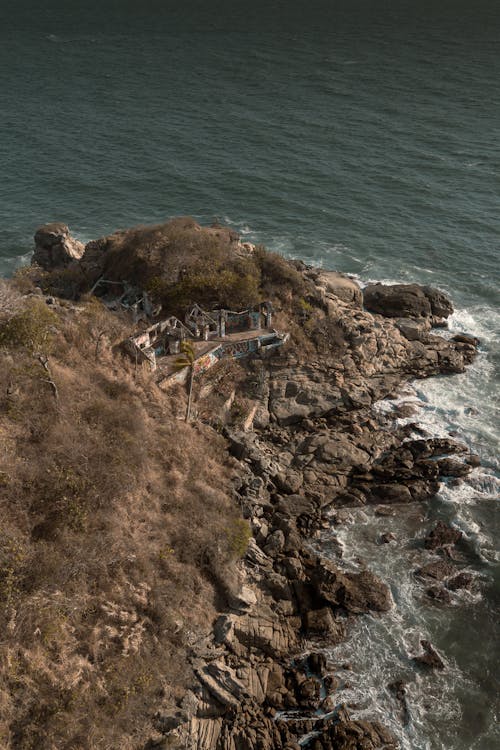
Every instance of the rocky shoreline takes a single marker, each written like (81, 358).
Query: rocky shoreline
(317, 447)
(310, 444)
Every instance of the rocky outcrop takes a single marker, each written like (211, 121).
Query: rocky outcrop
(442, 535)
(407, 301)
(314, 444)
(321, 446)
(430, 657)
(55, 247)
(340, 286)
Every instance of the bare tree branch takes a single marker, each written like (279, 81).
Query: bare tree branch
(44, 361)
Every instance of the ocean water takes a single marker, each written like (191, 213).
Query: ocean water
(357, 134)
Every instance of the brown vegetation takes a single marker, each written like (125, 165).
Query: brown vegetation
(117, 535)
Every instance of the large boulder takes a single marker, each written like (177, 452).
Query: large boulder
(55, 247)
(340, 286)
(355, 592)
(406, 301)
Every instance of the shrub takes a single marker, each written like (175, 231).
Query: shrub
(68, 283)
(30, 329)
(278, 274)
(238, 535)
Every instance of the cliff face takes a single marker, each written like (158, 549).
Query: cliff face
(316, 447)
(158, 586)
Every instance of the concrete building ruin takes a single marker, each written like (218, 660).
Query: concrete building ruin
(214, 335)
(120, 295)
(219, 323)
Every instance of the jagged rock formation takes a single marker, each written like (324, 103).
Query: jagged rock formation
(340, 286)
(318, 446)
(55, 247)
(407, 301)
(311, 445)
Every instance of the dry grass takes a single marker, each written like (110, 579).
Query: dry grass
(114, 543)
(118, 534)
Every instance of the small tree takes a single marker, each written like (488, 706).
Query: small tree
(186, 359)
(30, 329)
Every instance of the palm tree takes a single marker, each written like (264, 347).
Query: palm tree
(186, 359)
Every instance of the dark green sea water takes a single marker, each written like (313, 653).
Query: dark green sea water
(361, 135)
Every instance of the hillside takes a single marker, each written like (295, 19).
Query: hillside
(127, 532)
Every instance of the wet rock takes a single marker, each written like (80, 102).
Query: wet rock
(384, 510)
(365, 592)
(387, 537)
(315, 662)
(322, 622)
(398, 688)
(406, 301)
(391, 493)
(462, 580)
(449, 467)
(438, 570)
(403, 411)
(439, 594)
(55, 247)
(430, 657)
(441, 306)
(442, 535)
(343, 733)
(473, 460)
(308, 693)
(354, 592)
(464, 338)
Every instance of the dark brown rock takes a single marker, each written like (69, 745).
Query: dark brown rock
(396, 300)
(354, 592)
(462, 580)
(343, 733)
(391, 493)
(365, 592)
(442, 535)
(438, 570)
(430, 657)
(464, 338)
(406, 301)
(450, 467)
(441, 306)
(322, 622)
(438, 594)
(387, 537)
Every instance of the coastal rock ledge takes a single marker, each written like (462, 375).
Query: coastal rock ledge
(55, 247)
(302, 442)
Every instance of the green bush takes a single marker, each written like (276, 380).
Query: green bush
(238, 534)
(29, 329)
(210, 286)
